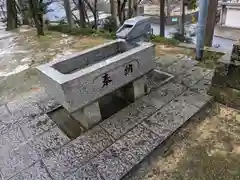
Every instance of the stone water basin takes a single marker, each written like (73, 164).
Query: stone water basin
(80, 79)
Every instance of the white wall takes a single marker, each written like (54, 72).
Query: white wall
(233, 17)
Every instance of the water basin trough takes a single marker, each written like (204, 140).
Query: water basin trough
(81, 82)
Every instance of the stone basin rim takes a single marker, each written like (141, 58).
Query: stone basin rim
(62, 78)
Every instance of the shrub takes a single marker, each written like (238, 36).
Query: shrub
(163, 40)
(178, 36)
(110, 25)
(81, 31)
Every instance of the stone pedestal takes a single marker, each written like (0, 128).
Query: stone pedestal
(89, 115)
(134, 90)
(226, 80)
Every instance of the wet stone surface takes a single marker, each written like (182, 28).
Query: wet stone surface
(110, 166)
(24, 108)
(88, 171)
(71, 157)
(14, 160)
(49, 142)
(164, 94)
(32, 146)
(35, 172)
(35, 126)
(202, 86)
(7, 120)
(181, 66)
(192, 76)
(194, 98)
(12, 138)
(169, 118)
(126, 119)
(165, 61)
(135, 145)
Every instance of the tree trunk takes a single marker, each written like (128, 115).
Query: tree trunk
(162, 18)
(129, 8)
(113, 11)
(3, 11)
(81, 8)
(11, 15)
(37, 16)
(211, 21)
(95, 14)
(182, 21)
(119, 11)
(68, 11)
(168, 8)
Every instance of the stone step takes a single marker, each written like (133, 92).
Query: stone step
(118, 159)
(109, 151)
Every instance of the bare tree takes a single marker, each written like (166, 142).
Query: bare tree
(132, 9)
(2, 10)
(68, 11)
(92, 6)
(37, 9)
(171, 5)
(81, 7)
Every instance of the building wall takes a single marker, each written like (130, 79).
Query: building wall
(233, 18)
(174, 20)
(230, 15)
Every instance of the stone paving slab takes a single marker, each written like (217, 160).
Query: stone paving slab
(194, 98)
(181, 66)
(128, 151)
(22, 108)
(49, 142)
(126, 119)
(170, 117)
(165, 61)
(33, 127)
(164, 94)
(35, 172)
(86, 172)
(7, 120)
(74, 155)
(44, 101)
(202, 86)
(110, 166)
(11, 139)
(15, 160)
(192, 76)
